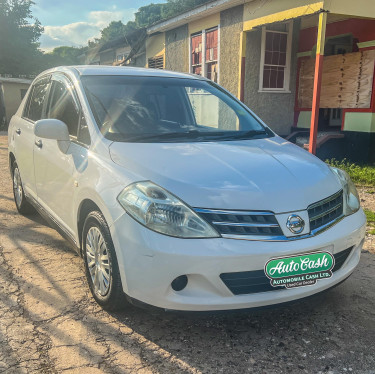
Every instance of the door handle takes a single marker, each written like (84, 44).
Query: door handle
(18, 131)
(39, 143)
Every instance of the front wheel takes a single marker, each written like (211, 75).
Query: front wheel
(22, 205)
(101, 265)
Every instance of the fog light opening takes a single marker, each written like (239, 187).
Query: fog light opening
(179, 283)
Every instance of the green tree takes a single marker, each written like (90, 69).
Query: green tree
(175, 7)
(113, 31)
(144, 17)
(61, 56)
(149, 14)
(66, 55)
(19, 35)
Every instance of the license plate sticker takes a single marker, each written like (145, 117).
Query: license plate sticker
(299, 270)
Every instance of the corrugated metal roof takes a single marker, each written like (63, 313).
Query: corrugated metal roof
(15, 80)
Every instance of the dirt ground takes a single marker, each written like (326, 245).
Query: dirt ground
(50, 324)
(367, 196)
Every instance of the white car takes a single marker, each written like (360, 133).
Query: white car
(176, 194)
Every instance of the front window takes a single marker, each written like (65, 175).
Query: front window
(275, 57)
(36, 101)
(62, 106)
(154, 109)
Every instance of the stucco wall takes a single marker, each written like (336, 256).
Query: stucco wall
(275, 109)
(139, 60)
(155, 46)
(177, 49)
(12, 97)
(230, 30)
(107, 57)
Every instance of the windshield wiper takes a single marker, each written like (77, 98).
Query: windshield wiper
(191, 134)
(247, 134)
(196, 135)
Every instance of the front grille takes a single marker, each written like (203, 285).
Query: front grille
(247, 282)
(325, 211)
(241, 222)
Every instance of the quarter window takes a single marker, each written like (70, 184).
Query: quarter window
(275, 57)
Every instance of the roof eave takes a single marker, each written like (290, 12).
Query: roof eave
(194, 14)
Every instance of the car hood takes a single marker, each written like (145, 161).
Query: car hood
(264, 174)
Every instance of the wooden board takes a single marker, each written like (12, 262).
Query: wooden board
(346, 81)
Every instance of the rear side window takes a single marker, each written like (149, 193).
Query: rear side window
(34, 111)
(63, 107)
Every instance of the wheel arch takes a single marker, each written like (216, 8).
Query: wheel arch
(86, 206)
(12, 159)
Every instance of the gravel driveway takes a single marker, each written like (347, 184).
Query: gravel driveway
(49, 323)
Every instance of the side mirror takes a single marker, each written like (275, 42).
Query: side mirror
(52, 129)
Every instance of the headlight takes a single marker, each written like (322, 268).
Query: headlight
(159, 210)
(351, 198)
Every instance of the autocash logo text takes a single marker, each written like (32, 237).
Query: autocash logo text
(300, 270)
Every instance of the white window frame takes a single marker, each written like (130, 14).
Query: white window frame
(204, 64)
(286, 88)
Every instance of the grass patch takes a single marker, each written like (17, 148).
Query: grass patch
(370, 216)
(360, 174)
(370, 221)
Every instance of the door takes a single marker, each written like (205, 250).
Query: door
(54, 167)
(24, 133)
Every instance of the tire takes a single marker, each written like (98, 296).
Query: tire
(101, 266)
(22, 205)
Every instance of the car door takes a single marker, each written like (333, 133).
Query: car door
(24, 133)
(55, 168)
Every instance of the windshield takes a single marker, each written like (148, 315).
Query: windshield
(154, 109)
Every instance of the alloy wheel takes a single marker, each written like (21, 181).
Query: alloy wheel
(98, 261)
(17, 186)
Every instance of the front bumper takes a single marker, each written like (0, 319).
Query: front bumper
(149, 262)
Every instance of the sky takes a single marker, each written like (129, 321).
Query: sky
(74, 22)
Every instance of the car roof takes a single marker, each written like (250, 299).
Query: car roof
(84, 70)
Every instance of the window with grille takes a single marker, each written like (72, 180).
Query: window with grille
(211, 58)
(275, 57)
(204, 58)
(196, 54)
(156, 62)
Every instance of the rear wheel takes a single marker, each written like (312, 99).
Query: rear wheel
(23, 206)
(101, 265)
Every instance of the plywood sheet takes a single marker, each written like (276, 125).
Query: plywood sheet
(346, 81)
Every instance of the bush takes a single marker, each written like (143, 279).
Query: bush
(360, 174)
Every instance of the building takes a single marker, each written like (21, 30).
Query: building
(126, 50)
(110, 53)
(12, 91)
(305, 67)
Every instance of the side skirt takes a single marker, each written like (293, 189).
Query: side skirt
(55, 225)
